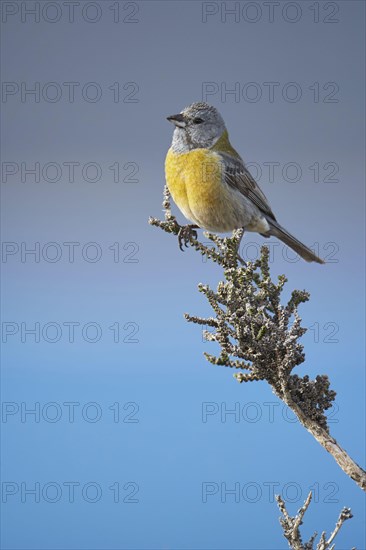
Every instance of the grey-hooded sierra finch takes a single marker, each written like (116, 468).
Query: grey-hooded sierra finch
(210, 183)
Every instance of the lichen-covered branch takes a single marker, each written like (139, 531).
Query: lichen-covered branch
(259, 336)
(291, 527)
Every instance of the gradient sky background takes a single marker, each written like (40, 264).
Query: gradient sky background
(160, 378)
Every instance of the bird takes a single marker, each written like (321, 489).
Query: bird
(211, 185)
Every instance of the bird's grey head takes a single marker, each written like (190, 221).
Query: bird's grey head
(198, 126)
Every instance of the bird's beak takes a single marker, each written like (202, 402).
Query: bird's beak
(177, 120)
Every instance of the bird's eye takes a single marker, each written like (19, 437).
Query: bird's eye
(197, 120)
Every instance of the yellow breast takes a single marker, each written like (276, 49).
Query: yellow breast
(194, 181)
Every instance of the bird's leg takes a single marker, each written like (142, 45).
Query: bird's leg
(239, 234)
(186, 232)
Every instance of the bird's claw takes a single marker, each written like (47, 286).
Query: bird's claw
(186, 233)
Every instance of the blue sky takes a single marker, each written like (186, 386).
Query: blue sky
(117, 451)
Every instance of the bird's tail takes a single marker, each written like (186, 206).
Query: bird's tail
(278, 231)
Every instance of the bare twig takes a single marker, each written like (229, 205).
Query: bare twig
(348, 465)
(291, 527)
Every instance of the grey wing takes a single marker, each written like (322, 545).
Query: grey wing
(238, 177)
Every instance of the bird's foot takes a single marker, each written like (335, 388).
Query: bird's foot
(186, 233)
